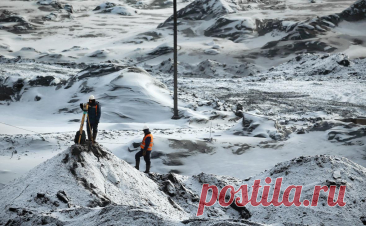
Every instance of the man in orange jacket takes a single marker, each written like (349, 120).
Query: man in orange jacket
(146, 147)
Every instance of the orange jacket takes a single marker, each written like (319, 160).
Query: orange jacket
(149, 148)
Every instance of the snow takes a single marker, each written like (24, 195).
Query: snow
(123, 10)
(211, 51)
(337, 174)
(95, 182)
(105, 5)
(296, 68)
(99, 53)
(112, 179)
(47, 2)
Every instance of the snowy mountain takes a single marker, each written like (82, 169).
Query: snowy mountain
(204, 10)
(134, 86)
(275, 37)
(266, 33)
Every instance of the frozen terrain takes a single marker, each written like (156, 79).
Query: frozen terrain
(92, 186)
(261, 84)
(262, 32)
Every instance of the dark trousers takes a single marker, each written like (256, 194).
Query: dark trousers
(94, 128)
(146, 157)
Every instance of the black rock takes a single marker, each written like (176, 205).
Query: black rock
(223, 29)
(136, 145)
(37, 98)
(243, 211)
(161, 50)
(69, 8)
(6, 93)
(107, 5)
(40, 195)
(66, 159)
(204, 10)
(301, 131)
(42, 81)
(363, 220)
(345, 63)
(22, 24)
(355, 12)
(61, 195)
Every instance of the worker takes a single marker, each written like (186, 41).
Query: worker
(146, 148)
(94, 113)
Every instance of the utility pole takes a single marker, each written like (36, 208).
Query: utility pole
(176, 116)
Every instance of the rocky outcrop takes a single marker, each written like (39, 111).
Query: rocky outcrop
(109, 7)
(15, 85)
(260, 126)
(234, 30)
(22, 25)
(204, 10)
(355, 12)
(56, 5)
(206, 69)
(241, 29)
(162, 50)
(320, 65)
(104, 6)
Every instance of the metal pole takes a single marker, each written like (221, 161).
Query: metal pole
(176, 116)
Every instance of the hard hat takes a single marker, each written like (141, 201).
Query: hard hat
(145, 127)
(91, 97)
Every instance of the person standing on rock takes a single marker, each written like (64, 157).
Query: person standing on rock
(94, 113)
(146, 148)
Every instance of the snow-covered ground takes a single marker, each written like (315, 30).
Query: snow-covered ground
(92, 186)
(280, 117)
(294, 69)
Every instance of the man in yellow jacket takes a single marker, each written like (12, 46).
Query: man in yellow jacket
(146, 148)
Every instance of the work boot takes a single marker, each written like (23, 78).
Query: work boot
(94, 136)
(147, 168)
(137, 164)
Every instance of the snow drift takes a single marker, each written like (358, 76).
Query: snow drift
(90, 185)
(82, 178)
(307, 171)
(258, 126)
(128, 93)
(319, 66)
(110, 7)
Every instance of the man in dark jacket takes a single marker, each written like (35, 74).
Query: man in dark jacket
(94, 113)
(146, 148)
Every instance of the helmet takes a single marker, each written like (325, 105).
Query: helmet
(91, 97)
(145, 127)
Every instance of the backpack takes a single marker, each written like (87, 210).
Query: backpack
(77, 136)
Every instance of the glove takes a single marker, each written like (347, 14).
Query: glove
(144, 152)
(82, 107)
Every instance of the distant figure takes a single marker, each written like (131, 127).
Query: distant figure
(94, 113)
(146, 147)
